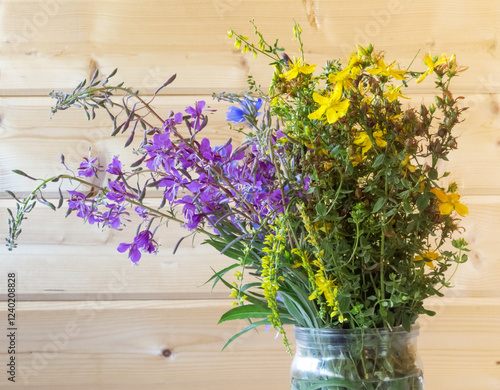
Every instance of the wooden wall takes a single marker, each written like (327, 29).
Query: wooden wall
(86, 318)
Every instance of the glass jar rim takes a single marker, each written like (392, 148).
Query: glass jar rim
(396, 330)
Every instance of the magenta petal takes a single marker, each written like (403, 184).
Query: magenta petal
(123, 247)
(135, 254)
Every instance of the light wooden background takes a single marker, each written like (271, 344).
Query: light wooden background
(86, 318)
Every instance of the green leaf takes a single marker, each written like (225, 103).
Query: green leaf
(326, 384)
(296, 310)
(379, 204)
(219, 274)
(411, 226)
(407, 207)
(306, 304)
(422, 202)
(47, 203)
(379, 160)
(246, 312)
(321, 208)
(406, 322)
(242, 332)
(344, 301)
(250, 299)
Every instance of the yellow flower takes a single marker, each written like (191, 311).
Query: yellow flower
(378, 138)
(356, 159)
(450, 202)
(332, 105)
(428, 60)
(407, 166)
(295, 68)
(363, 90)
(325, 287)
(394, 93)
(363, 140)
(429, 257)
(386, 70)
(344, 77)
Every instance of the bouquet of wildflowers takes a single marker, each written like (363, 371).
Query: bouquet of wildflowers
(331, 212)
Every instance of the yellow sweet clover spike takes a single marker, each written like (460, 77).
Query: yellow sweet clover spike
(230, 34)
(296, 31)
(274, 246)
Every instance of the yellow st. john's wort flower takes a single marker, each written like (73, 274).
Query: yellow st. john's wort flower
(333, 106)
(450, 202)
(394, 92)
(431, 64)
(297, 67)
(363, 140)
(345, 76)
(429, 257)
(386, 70)
(407, 166)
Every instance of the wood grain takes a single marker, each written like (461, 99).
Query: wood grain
(67, 260)
(32, 141)
(108, 344)
(87, 319)
(46, 48)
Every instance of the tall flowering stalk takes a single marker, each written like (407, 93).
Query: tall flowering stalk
(333, 205)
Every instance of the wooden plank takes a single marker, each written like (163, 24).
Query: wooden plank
(47, 45)
(31, 141)
(65, 260)
(111, 345)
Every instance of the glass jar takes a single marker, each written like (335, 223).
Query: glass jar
(364, 359)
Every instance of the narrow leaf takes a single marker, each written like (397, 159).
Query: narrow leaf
(245, 312)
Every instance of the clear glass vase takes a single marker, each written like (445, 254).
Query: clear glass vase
(364, 359)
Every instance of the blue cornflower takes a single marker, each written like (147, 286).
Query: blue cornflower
(249, 109)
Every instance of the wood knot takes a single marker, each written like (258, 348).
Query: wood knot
(166, 352)
(494, 107)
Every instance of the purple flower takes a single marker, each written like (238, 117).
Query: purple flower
(89, 167)
(197, 115)
(192, 218)
(248, 109)
(173, 183)
(172, 121)
(113, 217)
(143, 242)
(159, 152)
(142, 212)
(117, 192)
(79, 201)
(115, 168)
